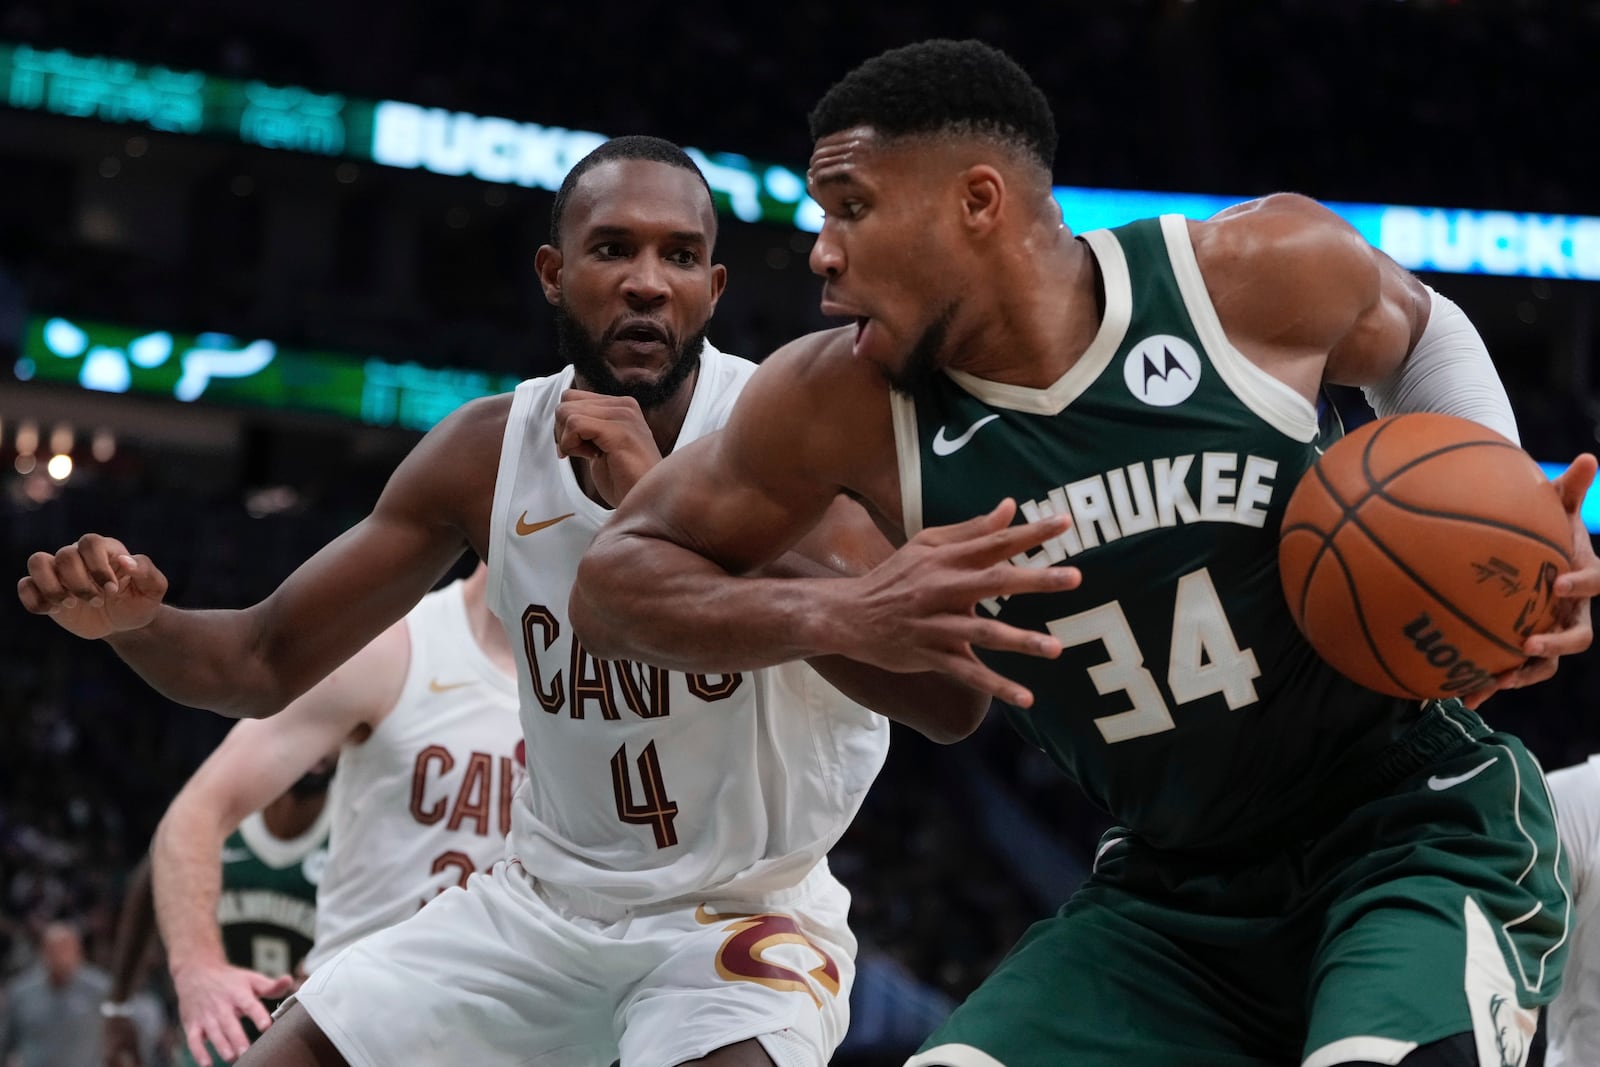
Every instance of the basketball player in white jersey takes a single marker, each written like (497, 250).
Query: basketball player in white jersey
(1572, 1020)
(425, 721)
(667, 902)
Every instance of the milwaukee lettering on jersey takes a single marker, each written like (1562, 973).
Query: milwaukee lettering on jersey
(1148, 496)
(267, 906)
(610, 685)
(477, 798)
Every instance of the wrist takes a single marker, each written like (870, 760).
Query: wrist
(820, 617)
(180, 964)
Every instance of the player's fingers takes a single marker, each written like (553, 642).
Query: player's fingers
(1573, 483)
(271, 988)
(1005, 580)
(257, 1013)
(999, 637)
(967, 669)
(1567, 641)
(1530, 673)
(194, 1035)
(998, 518)
(33, 600)
(98, 555)
(61, 576)
(140, 574)
(1002, 545)
(228, 1037)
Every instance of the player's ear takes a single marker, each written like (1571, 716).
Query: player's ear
(719, 281)
(983, 197)
(547, 262)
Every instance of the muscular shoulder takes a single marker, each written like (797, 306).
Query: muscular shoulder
(449, 477)
(821, 414)
(816, 387)
(1285, 268)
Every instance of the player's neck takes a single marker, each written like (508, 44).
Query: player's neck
(1046, 303)
(290, 816)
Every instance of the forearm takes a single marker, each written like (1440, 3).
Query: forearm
(186, 876)
(205, 659)
(136, 927)
(646, 599)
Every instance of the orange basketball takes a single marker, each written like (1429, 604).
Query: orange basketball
(1419, 554)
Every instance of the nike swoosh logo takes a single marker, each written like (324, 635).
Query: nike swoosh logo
(944, 446)
(524, 527)
(436, 686)
(706, 917)
(1435, 782)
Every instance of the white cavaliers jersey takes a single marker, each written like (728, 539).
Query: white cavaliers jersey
(425, 800)
(646, 785)
(1573, 1018)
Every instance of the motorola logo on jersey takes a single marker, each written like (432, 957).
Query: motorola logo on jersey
(1162, 370)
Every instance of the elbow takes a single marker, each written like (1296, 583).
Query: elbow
(950, 729)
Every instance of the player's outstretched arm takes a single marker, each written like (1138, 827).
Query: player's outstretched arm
(253, 661)
(669, 580)
(256, 763)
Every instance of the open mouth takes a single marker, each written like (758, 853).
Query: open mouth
(641, 332)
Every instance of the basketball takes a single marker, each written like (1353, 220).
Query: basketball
(1420, 553)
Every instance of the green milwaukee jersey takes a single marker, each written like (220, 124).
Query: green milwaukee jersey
(1186, 704)
(268, 906)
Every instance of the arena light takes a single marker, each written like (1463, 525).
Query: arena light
(504, 151)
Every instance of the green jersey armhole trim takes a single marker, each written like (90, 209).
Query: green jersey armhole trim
(908, 458)
(1054, 399)
(1278, 405)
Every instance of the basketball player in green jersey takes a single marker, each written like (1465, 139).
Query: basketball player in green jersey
(266, 914)
(1306, 871)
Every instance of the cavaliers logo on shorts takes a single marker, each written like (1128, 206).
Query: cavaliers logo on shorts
(742, 955)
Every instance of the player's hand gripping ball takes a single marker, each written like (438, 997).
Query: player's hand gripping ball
(1420, 553)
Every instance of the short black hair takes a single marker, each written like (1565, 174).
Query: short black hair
(633, 146)
(942, 86)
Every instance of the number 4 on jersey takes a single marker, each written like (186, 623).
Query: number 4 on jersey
(1206, 659)
(653, 808)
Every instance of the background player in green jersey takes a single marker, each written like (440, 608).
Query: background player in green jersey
(270, 867)
(1307, 872)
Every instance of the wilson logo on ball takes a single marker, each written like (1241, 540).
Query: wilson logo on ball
(1461, 675)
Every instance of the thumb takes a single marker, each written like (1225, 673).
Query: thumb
(1574, 482)
(271, 988)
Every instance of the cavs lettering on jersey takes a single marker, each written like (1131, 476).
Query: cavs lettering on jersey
(645, 785)
(425, 800)
(268, 906)
(1186, 702)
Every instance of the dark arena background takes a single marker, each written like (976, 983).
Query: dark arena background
(332, 210)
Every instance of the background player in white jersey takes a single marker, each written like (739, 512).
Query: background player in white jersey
(425, 721)
(674, 906)
(1572, 1021)
(264, 921)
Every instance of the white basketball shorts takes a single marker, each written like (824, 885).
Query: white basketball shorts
(509, 971)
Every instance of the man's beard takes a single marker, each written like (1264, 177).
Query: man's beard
(922, 362)
(586, 354)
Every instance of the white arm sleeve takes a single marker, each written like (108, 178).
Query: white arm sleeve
(1448, 372)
